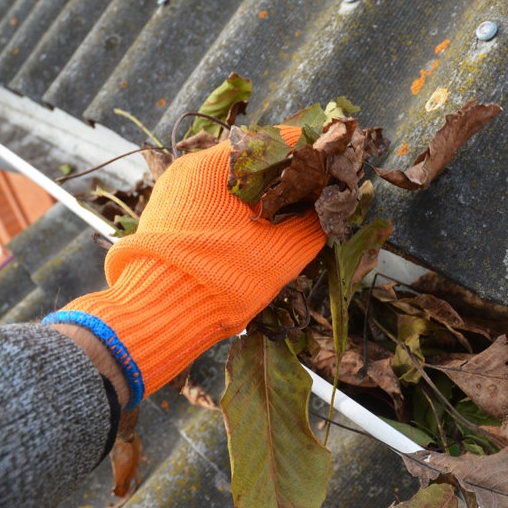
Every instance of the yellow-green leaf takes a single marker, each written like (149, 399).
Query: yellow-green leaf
(219, 102)
(259, 154)
(276, 461)
(434, 496)
(410, 328)
(311, 121)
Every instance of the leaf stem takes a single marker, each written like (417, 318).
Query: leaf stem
(141, 125)
(339, 310)
(105, 194)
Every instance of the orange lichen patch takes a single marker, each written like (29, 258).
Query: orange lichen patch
(403, 150)
(161, 102)
(263, 14)
(417, 84)
(442, 46)
(434, 66)
(123, 84)
(165, 405)
(14, 21)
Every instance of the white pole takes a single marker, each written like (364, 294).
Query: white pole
(362, 417)
(14, 161)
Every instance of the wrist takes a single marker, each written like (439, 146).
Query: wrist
(100, 356)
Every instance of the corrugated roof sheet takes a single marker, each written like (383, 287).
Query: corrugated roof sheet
(159, 61)
(88, 57)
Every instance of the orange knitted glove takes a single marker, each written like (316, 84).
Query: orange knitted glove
(198, 269)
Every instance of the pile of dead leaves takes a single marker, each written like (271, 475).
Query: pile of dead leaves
(429, 358)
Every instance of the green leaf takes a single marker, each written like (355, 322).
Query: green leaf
(259, 154)
(473, 448)
(435, 496)
(339, 108)
(311, 121)
(312, 117)
(128, 223)
(417, 435)
(348, 265)
(66, 169)
(474, 414)
(276, 461)
(355, 254)
(365, 198)
(219, 102)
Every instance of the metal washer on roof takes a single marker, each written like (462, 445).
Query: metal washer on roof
(486, 31)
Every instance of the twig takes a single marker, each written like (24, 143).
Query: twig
(100, 166)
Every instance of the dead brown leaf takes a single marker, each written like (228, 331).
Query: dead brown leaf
(200, 141)
(369, 258)
(334, 208)
(480, 316)
(434, 496)
(337, 137)
(347, 165)
(179, 381)
(125, 457)
(197, 396)
(303, 180)
(157, 161)
(483, 377)
(352, 372)
(441, 311)
(238, 108)
(486, 476)
(458, 128)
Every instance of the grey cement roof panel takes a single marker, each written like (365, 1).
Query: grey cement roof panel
(4, 6)
(23, 41)
(52, 232)
(96, 58)
(158, 64)
(58, 45)
(14, 14)
(15, 284)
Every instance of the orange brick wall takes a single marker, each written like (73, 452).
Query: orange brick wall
(21, 203)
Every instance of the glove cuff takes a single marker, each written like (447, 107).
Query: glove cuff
(155, 320)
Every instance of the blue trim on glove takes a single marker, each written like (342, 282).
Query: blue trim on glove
(109, 338)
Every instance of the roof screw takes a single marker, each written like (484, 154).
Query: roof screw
(486, 31)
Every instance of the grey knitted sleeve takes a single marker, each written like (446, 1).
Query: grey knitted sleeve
(58, 416)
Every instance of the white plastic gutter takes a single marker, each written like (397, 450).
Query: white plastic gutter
(366, 420)
(10, 160)
(362, 417)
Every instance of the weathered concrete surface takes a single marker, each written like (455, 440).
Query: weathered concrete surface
(386, 56)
